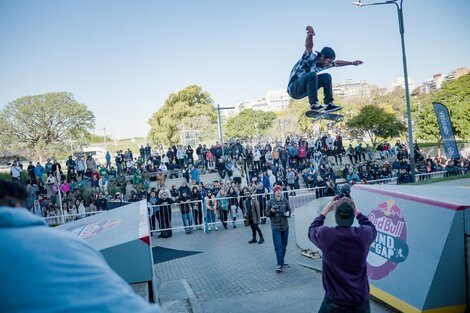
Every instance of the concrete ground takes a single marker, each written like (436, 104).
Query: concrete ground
(232, 276)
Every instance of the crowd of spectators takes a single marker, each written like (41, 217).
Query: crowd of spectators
(300, 162)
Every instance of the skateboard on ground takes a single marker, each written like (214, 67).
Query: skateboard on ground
(315, 115)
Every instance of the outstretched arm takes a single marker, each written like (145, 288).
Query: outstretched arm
(340, 63)
(309, 39)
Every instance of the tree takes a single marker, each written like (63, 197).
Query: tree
(42, 124)
(188, 103)
(455, 95)
(375, 123)
(249, 123)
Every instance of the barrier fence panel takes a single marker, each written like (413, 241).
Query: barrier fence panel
(54, 220)
(187, 216)
(383, 181)
(426, 176)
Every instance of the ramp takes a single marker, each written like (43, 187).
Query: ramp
(417, 262)
(123, 238)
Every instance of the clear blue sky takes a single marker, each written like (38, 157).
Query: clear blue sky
(123, 58)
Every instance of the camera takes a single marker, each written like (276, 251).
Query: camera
(344, 191)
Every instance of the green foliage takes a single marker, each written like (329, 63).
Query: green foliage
(41, 124)
(375, 123)
(179, 108)
(249, 123)
(93, 138)
(455, 95)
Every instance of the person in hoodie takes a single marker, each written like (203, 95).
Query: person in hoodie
(81, 282)
(345, 250)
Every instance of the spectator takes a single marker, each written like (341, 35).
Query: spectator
(142, 153)
(404, 177)
(31, 174)
(48, 166)
(164, 203)
(186, 214)
(223, 206)
(345, 250)
(101, 203)
(278, 209)
(195, 174)
(108, 160)
(197, 207)
(80, 167)
(90, 164)
(211, 208)
(15, 171)
(81, 282)
(253, 215)
(352, 154)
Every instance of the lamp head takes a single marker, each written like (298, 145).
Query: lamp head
(358, 3)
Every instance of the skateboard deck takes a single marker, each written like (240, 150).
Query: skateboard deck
(324, 116)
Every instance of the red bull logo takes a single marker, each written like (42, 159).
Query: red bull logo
(389, 248)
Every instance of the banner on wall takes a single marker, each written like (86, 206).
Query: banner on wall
(447, 134)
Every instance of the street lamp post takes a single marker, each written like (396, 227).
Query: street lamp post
(219, 123)
(405, 73)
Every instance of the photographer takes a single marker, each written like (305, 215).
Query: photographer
(331, 189)
(278, 209)
(345, 250)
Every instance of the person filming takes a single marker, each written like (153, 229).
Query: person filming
(345, 250)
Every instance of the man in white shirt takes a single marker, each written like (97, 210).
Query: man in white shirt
(15, 171)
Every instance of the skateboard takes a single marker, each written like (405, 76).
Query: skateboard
(324, 116)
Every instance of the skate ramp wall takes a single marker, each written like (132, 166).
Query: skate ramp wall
(123, 238)
(418, 260)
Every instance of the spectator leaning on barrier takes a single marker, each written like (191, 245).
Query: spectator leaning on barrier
(278, 209)
(345, 250)
(81, 282)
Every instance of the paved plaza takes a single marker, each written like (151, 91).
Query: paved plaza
(233, 276)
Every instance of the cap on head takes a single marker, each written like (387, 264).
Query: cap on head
(344, 214)
(328, 52)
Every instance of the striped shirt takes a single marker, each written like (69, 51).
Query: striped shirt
(307, 64)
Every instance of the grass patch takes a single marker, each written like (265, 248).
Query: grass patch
(436, 180)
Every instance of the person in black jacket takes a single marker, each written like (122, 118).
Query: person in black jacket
(196, 207)
(185, 209)
(164, 214)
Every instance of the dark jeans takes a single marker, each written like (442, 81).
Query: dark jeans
(280, 245)
(255, 228)
(308, 85)
(329, 307)
(223, 217)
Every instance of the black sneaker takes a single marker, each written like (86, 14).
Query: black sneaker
(253, 240)
(330, 107)
(261, 240)
(279, 269)
(316, 107)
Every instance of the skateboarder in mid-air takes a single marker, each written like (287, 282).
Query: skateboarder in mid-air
(304, 79)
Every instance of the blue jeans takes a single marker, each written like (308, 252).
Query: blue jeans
(187, 219)
(210, 216)
(308, 85)
(280, 245)
(329, 307)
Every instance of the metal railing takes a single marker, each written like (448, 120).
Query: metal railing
(54, 220)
